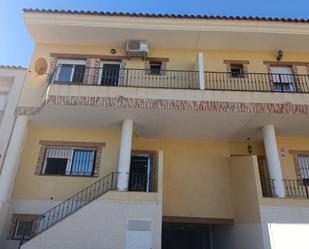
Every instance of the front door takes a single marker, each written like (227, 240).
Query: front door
(109, 73)
(140, 173)
(283, 79)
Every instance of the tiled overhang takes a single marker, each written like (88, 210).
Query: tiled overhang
(182, 16)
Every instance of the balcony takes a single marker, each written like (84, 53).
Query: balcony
(294, 189)
(179, 79)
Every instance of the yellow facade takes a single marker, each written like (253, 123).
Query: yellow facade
(196, 173)
(197, 177)
(179, 59)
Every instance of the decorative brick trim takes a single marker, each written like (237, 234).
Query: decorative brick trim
(297, 167)
(95, 72)
(163, 66)
(52, 64)
(44, 144)
(270, 78)
(69, 143)
(39, 164)
(295, 154)
(285, 63)
(243, 62)
(15, 218)
(244, 67)
(170, 104)
(86, 56)
(122, 73)
(87, 72)
(157, 59)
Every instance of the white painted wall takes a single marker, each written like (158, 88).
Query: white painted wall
(238, 236)
(281, 215)
(101, 224)
(11, 84)
(286, 236)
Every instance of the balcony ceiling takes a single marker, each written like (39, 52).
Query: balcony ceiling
(168, 33)
(228, 126)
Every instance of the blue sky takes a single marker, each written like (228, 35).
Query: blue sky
(16, 44)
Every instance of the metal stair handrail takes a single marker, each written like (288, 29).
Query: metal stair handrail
(69, 206)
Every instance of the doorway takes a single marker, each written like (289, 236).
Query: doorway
(142, 173)
(109, 73)
(186, 236)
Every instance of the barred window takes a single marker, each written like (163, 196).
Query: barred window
(155, 67)
(22, 229)
(70, 71)
(69, 161)
(237, 70)
(303, 163)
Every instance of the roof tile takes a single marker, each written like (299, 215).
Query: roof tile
(107, 13)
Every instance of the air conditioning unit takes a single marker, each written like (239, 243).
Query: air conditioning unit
(137, 48)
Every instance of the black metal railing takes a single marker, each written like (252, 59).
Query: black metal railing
(142, 182)
(179, 79)
(69, 206)
(257, 82)
(125, 77)
(293, 188)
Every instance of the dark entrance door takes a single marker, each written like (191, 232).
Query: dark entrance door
(140, 171)
(185, 236)
(110, 74)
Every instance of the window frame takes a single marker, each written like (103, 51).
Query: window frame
(101, 69)
(239, 66)
(300, 168)
(18, 223)
(61, 62)
(296, 154)
(70, 160)
(282, 81)
(155, 63)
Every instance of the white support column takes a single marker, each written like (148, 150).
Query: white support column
(8, 172)
(273, 160)
(11, 161)
(125, 154)
(201, 69)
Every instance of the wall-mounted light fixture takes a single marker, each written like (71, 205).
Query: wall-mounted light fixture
(279, 55)
(113, 51)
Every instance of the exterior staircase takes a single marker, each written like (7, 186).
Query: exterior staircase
(69, 206)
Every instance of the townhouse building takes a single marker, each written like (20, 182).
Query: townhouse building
(158, 131)
(11, 84)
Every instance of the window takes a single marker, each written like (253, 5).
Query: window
(109, 73)
(303, 165)
(69, 161)
(283, 79)
(155, 67)
(237, 70)
(70, 71)
(23, 229)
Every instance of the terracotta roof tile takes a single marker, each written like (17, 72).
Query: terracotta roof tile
(12, 67)
(184, 16)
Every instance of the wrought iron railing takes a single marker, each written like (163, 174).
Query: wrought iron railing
(179, 79)
(292, 188)
(125, 77)
(142, 182)
(68, 207)
(257, 82)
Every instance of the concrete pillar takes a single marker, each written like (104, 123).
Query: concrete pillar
(273, 160)
(11, 161)
(9, 170)
(201, 69)
(125, 154)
